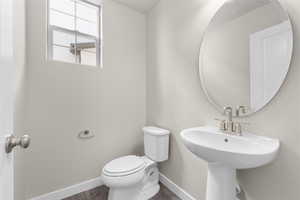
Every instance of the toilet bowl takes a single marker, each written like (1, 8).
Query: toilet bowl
(137, 178)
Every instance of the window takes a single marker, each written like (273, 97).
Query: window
(74, 32)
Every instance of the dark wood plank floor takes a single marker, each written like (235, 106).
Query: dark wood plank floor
(101, 193)
(165, 194)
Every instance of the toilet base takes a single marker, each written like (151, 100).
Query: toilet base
(143, 190)
(133, 193)
(150, 192)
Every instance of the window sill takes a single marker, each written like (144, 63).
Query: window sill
(82, 66)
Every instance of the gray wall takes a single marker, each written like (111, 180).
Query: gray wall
(175, 101)
(63, 99)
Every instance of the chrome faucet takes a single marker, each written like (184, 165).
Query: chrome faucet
(228, 125)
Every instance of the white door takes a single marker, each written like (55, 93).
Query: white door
(270, 54)
(7, 85)
(9, 58)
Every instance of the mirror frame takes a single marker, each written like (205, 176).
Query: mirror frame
(218, 107)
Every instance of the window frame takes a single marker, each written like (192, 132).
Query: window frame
(98, 39)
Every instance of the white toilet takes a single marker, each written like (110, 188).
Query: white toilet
(137, 178)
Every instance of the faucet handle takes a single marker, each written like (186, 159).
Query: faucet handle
(222, 124)
(238, 127)
(241, 110)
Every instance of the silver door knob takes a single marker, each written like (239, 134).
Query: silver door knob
(13, 141)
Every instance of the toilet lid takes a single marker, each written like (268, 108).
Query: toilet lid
(124, 165)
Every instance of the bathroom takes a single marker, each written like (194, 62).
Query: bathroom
(82, 112)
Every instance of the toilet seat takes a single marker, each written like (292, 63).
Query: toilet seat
(124, 166)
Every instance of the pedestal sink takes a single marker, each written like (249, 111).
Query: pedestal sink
(226, 153)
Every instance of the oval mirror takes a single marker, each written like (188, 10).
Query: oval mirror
(245, 54)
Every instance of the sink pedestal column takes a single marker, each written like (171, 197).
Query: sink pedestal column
(221, 182)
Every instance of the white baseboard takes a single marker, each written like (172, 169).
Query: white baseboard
(71, 190)
(182, 194)
(96, 182)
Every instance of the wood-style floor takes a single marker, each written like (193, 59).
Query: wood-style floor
(101, 193)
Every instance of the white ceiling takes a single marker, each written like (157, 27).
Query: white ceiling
(234, 9)
(140, 5)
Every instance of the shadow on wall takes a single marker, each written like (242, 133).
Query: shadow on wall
(174, 154)
(287, 176)
(138, 149)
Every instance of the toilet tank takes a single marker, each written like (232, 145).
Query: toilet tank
(156, 143)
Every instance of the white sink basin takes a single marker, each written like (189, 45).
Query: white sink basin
(226, 153)
(239, 152)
